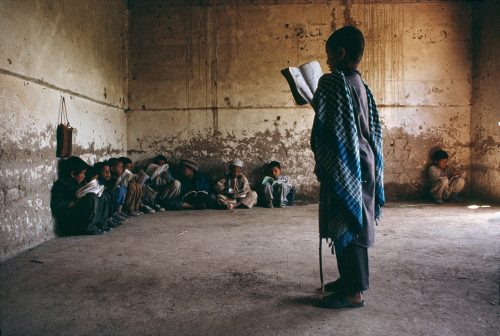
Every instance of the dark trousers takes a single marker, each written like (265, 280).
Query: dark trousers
(89, 213)
(110, 201)
(353, 268)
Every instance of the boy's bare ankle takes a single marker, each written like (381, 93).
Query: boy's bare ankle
(356, 297)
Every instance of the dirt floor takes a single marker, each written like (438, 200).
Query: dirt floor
(434, 271)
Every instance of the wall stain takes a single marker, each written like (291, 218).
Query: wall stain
(405, 168)
(348, 18)
(27, 172)
(215, 151)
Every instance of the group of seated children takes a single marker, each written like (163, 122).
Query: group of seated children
(94, 199)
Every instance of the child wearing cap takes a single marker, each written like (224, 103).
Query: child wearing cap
(276, 187)
(194, 193)
(234, 191)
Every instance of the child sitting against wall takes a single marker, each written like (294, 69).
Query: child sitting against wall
(119, 188)
(277, 189)
(134, 198)
(160, 188)
(103, 178)
(447, 183)
(234, 191)
(86, 214)
(194, 193)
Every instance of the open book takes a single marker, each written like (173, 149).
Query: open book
(195, 194)
(456, 177)
(303, 81)
(236, 194)
(92, 187)
(158, 170)
(125, 178)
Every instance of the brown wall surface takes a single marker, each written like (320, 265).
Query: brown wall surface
(205, 82)
(485, 115)
(50, 49)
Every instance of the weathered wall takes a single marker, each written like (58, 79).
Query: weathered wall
(205, 81)
(51, 49)
(485, 114)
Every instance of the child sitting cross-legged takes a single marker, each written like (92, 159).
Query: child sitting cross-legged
(234, 191)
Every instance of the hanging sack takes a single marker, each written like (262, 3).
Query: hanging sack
(64, 132)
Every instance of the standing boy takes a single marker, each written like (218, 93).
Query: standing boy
(347, 143)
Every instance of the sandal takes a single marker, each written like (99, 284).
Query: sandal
(339, 302)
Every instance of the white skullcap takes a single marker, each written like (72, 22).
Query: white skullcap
(236, 163)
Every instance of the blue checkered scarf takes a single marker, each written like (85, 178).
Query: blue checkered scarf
(334, 141)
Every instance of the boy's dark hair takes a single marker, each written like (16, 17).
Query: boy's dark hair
(351, 39)
(100, 165)
(91, 172)
(125, 160)
(439, 155)
(113, 162)
(159, 158)
(74, 165)
(273, 164)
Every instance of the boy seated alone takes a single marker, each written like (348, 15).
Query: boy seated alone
(275, 187)
(86, 214)
(447, 183)
(194, 193)
(234, 191)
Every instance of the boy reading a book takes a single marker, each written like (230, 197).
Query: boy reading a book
(346, 140)
(103, 177)
(194, 193)
(117, 187)
(447, 183)
(160, 187)
(134, 197)
(86, 214)
(276, 187)
(234, 191)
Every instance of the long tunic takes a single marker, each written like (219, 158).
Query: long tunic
(347, 143)
(241, 191)
(367, 160)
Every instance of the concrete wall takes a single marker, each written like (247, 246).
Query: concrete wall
(50, 49)
(485, 115)
(205, 81)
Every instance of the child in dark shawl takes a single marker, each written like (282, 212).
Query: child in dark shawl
(77, 212)
(347, 143)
